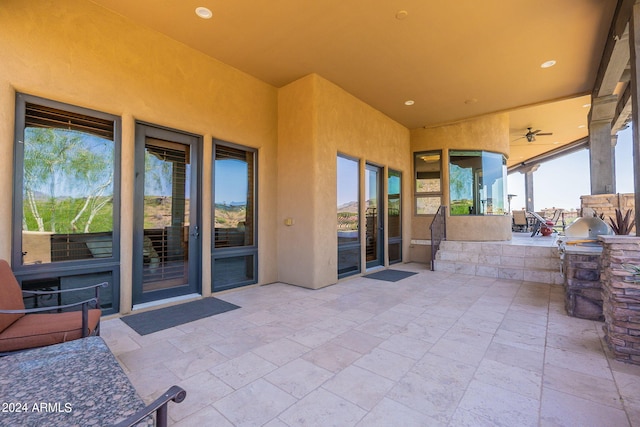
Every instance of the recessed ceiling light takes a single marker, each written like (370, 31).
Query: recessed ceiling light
(582, 126)
(471, 101)
(555, 143)
(586, 105)
(409, 102)
(548, 64)
(204, 12)
(401, 14)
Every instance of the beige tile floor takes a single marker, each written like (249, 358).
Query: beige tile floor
(435, 349)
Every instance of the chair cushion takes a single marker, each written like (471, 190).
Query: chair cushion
(10, 296)
(38, 330)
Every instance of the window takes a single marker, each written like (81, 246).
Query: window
(66, 205)
(394, 214)
(428, 187)
(477, 181)
(348, 220)
(235, 250)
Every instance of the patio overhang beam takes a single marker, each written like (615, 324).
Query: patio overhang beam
(622, 116)
(577, 145)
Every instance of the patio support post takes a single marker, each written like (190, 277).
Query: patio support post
(634, 47)
(601, 158)
(528, 185)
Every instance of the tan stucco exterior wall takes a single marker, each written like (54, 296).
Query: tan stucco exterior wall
(317, 121)
(79, 53)
(489, 133)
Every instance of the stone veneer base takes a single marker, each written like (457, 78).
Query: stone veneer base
(582, 285)
(621, 299)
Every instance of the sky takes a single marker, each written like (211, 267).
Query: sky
(559, 183)
(231, 181)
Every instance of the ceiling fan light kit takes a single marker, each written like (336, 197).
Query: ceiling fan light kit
(531, 135)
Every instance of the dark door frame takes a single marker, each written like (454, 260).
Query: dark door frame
(142, 132)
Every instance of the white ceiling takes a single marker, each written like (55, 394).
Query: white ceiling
(454, 59)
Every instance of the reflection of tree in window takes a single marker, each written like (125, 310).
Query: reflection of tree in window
(68, 181)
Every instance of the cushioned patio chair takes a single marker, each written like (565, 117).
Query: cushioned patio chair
(21, 328)
(520, 221)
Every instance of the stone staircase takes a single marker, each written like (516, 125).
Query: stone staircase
(501, 260)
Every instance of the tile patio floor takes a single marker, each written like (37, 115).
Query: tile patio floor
(435, 349)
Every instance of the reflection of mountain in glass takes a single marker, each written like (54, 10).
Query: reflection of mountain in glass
(348, 216)
(230, 215)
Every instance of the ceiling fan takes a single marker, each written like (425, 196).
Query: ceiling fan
(531, 134)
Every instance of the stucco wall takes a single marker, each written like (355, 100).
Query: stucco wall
(489, 133)
(79, 53)
(318, 120)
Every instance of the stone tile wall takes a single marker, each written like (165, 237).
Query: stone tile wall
(606, 204)
(621, 299)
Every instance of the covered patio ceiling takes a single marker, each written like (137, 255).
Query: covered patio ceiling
(454, 60)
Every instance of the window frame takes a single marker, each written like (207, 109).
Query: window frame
(394, 240)
(477, 179)
(61, 269)
(234, 251)
(354, 245)
(424, 194)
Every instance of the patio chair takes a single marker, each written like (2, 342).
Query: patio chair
(557, 216)
(22, 329)
(550, 223)
(520, 221)
(538, 222)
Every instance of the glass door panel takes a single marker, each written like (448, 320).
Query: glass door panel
(374, 231)
(166, 238)
(166, 215)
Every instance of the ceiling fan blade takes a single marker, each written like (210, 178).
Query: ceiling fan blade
(544, 134)
(535, 132)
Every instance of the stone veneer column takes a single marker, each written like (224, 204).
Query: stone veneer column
(621, 300)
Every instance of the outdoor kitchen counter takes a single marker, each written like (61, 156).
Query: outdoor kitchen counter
(585, 249)
(581, 271)
(77, 383)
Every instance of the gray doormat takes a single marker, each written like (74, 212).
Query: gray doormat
(164, 318)
(390, 275)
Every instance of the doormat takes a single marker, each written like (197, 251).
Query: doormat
(390, 275)
(164, 318)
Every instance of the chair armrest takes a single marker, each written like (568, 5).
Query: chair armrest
(175, 393)
(42, 309)
(60, 291)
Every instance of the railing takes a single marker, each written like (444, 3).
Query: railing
(159, 406)
(438, 229)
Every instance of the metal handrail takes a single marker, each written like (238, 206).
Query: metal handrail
(159, 406)
(438, 229)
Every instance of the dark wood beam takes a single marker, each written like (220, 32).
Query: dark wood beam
(616, 52)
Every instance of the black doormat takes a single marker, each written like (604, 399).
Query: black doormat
(164, 318)
(390, 275)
